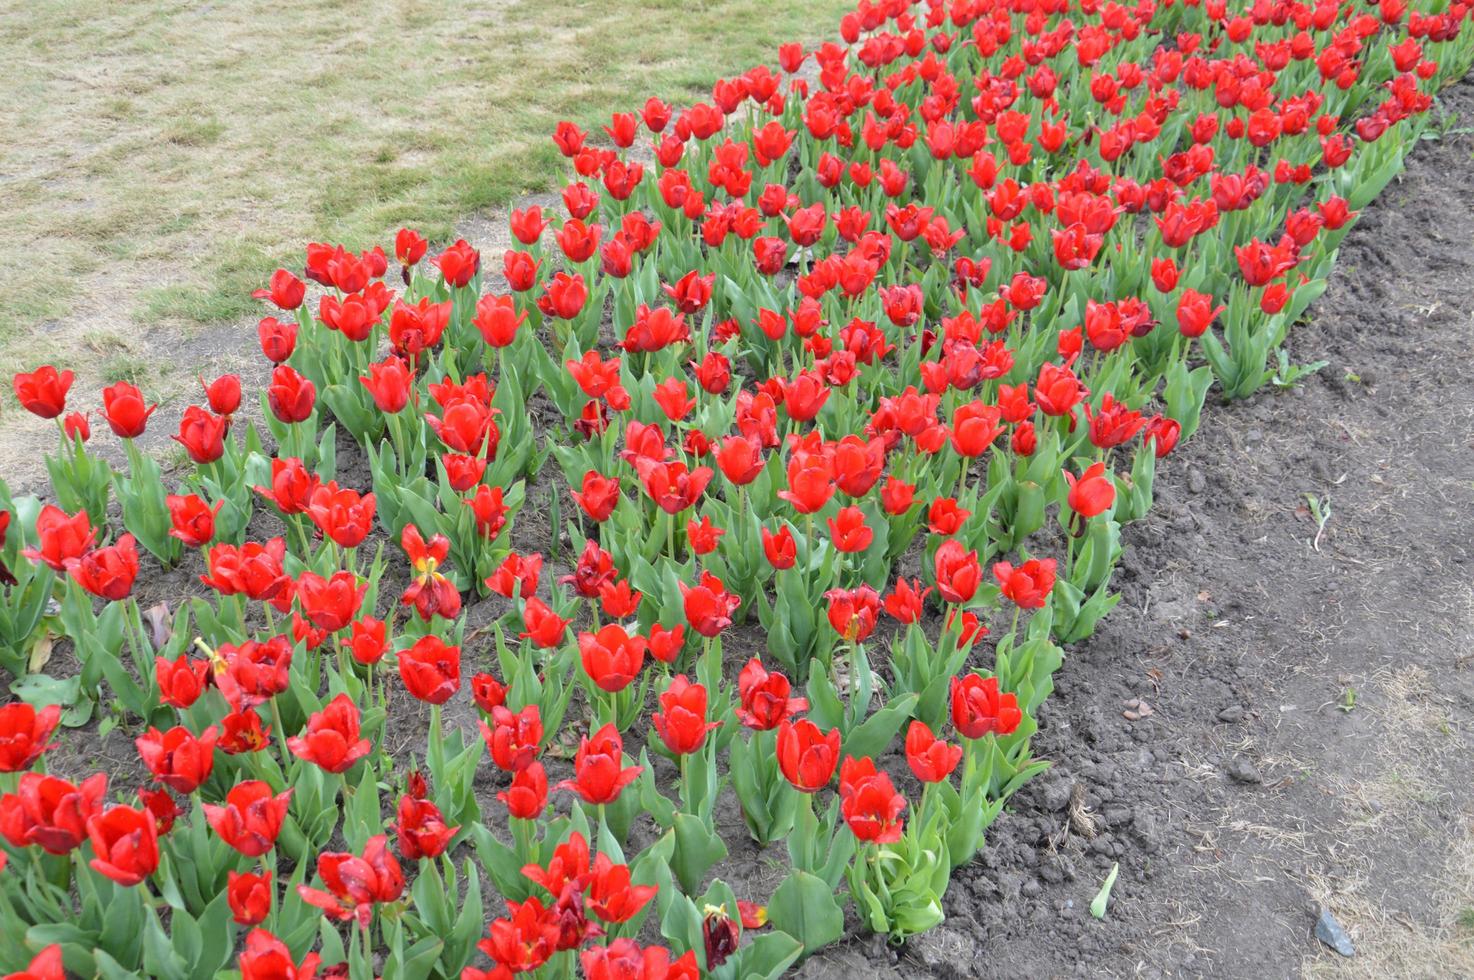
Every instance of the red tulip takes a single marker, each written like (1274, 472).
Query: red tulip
(869, 802)
(430, 592)
(619, 600)
(389, 383)
(545, 628)
(43, 392)
(958, 572)
(50, 812)
(780, 549)
(421, 829)
(249, 896)
(764, 698)
(709, 606)
(512, 739)
(267, 958)
(24, 734)
(284, 290)
(681, 722)
(331, 740)
(251, 818)
(848, 531)
(242, 732)
(330, 603)
(853, 612)
(431, 670)
(181, 682)
(498, 320)
(611, 657)
(224, 394)
(202, 435)
(931, 759)
(1027, 586)
(1196, 313)
(177, 758)
(527, 796)
(598, 768)
(356, 884)
(670, 485)
(62, 538)
(600, 495)
(517, 576)
(522, 942)
(253, 569)
(810, 483)
(291, 487)
(905, 603)
(343, 515)
(595, 567)
(125, 844)
(613, 897)
(290, 395)
(1093, 493)
(459, 264)
(563, 296)
(666, 644)
(278, 338)
(107, 573)
(193, 519)
(125, 411)
(978, 707)
(77, 427)
(807, 756)
(45, 965)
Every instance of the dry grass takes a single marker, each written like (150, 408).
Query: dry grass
(160, 157)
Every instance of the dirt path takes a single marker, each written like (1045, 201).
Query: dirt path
(1312, 725)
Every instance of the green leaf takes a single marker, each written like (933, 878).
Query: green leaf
(805, 908)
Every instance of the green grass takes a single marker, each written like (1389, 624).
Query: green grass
(162, 157)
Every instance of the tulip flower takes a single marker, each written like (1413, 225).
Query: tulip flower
(1092, 493)
(177, 758)
(45, 965)
(764, 701)
(780, 549)
(63, 538)
(125, 844)
(1027, 586)
(343, 515)
(202, 435)
(681, 722)
(958, 572)
(421, 829)
(355, 884)
(251, 817)
(853, 612)
(266, 957)
(50, 812)
(193, 520)
(978, 707)
(107, 573)
(708, 606)
(869, 803)
(905, 603)
(331, 740)
(330, 603)
(527, 796)
(848, 530)
(181, 682)
(517, 576)
(431, 670)
(512, 740)
(599, 771)
(25, 734)
(522, 942)
(42, 392)
(930, 758)
(611, 657)
(806, 756)
(599, 497)
(290, 396)
(124, 409)
(613, 897)
(249, 896)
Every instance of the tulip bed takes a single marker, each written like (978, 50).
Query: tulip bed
(866, 369)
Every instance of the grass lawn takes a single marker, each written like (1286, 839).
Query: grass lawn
(161, 158)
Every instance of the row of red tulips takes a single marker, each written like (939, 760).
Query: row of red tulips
(870, 362)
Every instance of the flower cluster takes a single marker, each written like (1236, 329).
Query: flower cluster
(861, 365)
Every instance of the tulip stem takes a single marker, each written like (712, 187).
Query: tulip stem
(267, 870)
(281, 731)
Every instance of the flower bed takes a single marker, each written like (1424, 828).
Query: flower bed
(859, 378)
